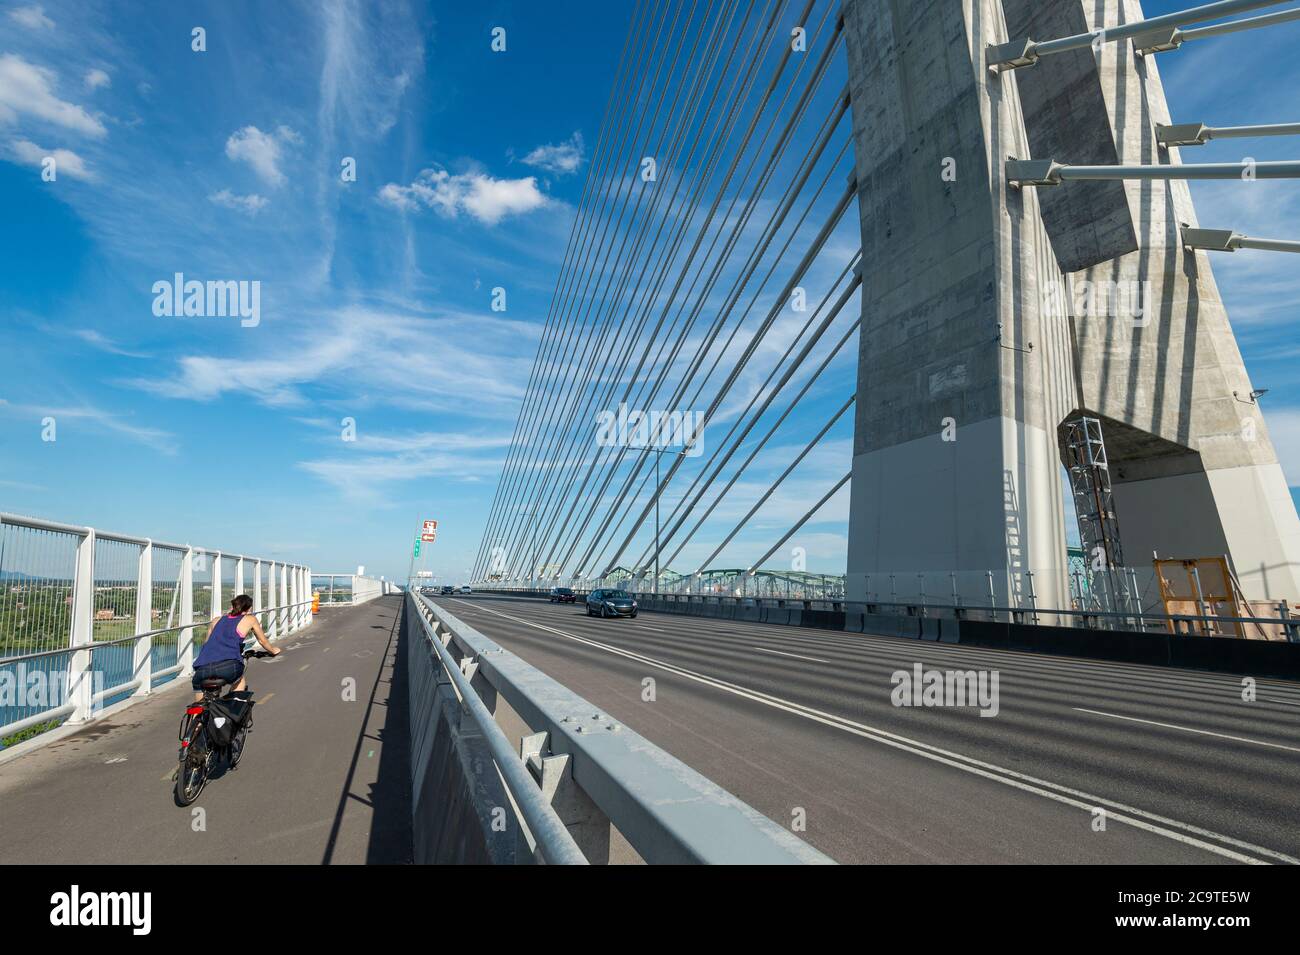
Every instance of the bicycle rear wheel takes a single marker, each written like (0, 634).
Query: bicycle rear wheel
(237, 747)
(195, 761)
(191, 777)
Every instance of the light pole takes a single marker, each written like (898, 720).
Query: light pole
(658, 453)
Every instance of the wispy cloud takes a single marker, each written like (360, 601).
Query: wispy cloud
(97, 78)
(363, 468)
(466, 363)
(97, 418)
(249, 205)
(97, 340)
(558, 158)
(487, 199)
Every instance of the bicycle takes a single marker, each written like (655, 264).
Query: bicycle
(206, 739)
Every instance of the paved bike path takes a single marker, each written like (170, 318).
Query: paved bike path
(323, 779)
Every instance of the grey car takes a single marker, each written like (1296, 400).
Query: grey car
(610, 603)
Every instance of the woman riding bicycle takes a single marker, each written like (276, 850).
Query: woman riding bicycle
(222, 655)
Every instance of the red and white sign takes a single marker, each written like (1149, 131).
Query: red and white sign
(430, 531)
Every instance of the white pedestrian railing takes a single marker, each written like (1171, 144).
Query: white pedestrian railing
(349, 590)
(90, 619)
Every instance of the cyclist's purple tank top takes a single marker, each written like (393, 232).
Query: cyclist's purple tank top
(225, 642)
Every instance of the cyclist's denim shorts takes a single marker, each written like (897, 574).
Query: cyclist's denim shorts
(228, 670)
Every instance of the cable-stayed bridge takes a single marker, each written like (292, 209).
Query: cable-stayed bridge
(966, 223)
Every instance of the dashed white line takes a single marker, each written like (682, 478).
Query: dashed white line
(795, 655)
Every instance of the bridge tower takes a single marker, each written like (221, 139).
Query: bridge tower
(992, 315)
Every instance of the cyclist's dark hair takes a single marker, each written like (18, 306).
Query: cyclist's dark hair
(241, 604)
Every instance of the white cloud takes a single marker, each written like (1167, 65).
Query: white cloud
(66, 162)
(262, 151)
(249, 205)
(29, 89)
(33, 18)
(97, 78)
(487, 199)
(558, 158)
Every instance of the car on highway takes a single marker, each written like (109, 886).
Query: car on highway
(610, 603)
(563, 595)
(466, 589)
(447, 589)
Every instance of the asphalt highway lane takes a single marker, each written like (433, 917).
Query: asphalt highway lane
(800, 724)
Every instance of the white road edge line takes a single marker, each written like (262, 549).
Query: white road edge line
(968, 764)
(1188, 729)
(782, 653)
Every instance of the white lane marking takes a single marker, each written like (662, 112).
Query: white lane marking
(795, 655)
(1188, 729)
(303, 667)
(1016, 780)
(1287, 702)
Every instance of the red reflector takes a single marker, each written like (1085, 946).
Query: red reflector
(184, 743)
(193, 710)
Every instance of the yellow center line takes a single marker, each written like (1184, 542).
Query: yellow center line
(303, 667)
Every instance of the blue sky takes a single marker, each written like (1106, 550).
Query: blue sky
(376, 293)
(226, 165)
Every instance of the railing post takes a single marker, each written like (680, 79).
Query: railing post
(142, 664)
(269, 626)
(81, 661)
(218, 608)
(185, 638)
(257, 587)
(239, 576)
(294, 585)
(284, 598)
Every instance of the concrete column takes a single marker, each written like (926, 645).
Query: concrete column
(961, 381)
(991, 315)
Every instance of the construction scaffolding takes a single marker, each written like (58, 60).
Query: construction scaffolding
(1108, 587)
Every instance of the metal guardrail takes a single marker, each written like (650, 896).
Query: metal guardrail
(349, 590)
(78, 609)
(666, 811)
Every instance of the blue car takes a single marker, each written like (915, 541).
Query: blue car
(610, 603)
